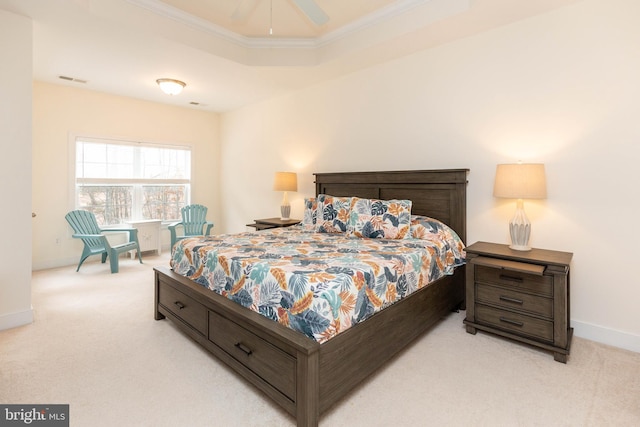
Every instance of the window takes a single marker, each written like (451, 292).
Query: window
(120, 181)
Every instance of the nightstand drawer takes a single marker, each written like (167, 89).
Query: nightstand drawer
(511, 299)
(522, 324)
(542, 285)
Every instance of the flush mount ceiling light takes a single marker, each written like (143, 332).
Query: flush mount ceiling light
(171, 86)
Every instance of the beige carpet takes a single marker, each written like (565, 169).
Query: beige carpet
(94, 345)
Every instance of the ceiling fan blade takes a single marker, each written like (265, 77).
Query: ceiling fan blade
(313, 11)
(244, 9)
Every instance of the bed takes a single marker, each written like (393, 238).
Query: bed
(305, 376)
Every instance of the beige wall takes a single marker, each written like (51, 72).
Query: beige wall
(60, 111)
(15, 173)
(561, 88)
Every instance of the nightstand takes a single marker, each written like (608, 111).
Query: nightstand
(263, 224)
(520, 295)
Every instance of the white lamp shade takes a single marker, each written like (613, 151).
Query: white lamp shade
(171, 86)
(285, 181)
(520, 181)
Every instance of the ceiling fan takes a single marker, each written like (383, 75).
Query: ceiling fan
(309, 7)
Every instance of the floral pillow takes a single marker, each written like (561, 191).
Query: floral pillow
(380, 219)
(310, 215)
(332, 214)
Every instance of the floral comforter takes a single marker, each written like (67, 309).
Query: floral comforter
(319, 284)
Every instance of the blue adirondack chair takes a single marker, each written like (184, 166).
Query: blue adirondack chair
(86, 227)
(194, 223)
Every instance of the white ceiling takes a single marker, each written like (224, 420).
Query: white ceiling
(123, 46)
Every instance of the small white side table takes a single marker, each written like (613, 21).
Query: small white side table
(148, 235)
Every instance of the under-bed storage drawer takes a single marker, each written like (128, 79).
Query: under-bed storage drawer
(183, 306)
(266, 360)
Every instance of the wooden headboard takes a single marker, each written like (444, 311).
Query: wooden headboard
(440, 194)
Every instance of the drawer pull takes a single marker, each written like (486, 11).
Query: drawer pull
(511, 278)
(179, 305)
(513, 300)
(511, 322)
(244, 348)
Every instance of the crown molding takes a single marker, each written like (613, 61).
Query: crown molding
(175, 14)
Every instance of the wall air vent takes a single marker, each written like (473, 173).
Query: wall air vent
(72, 79)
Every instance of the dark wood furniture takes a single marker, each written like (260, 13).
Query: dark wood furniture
(267, 223)
(520, 295)
(299, 374)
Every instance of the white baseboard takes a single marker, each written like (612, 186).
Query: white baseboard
(73, 261)
(62, 262)
(13, 320)
(607, 336)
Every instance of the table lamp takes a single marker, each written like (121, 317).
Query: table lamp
(520, 181)
(285, 181)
